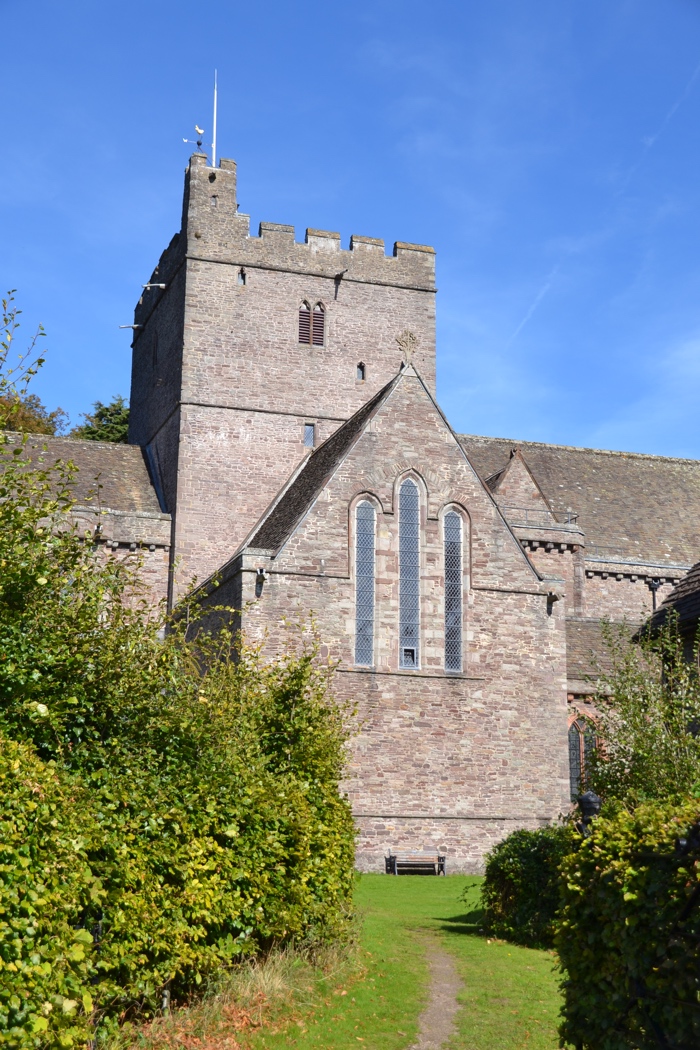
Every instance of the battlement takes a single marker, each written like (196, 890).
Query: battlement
(215, 230)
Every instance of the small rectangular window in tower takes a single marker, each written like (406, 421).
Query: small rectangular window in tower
(309, 435)
(361, 372)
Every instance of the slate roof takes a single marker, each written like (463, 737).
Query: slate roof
(684, 599)
(647, 508)
(120, 470)
(586, 652)
(302, 489)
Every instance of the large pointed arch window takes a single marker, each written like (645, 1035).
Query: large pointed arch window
(312, 324)
(409, 574)
(364, 583)
(453, 591)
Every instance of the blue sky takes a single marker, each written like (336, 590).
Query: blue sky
(549, 151)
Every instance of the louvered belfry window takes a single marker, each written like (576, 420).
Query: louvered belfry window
(364, 584)
(453, 591)
(409, 574)
(312, 324)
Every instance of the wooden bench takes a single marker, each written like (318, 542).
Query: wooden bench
(415, 864)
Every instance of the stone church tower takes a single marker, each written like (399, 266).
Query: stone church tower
(225, 397)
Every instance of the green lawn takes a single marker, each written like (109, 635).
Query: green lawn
(510, 996)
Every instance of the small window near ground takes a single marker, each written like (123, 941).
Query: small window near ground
(309, 435)
(581, 747)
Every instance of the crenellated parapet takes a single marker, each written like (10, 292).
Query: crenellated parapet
(215, 230)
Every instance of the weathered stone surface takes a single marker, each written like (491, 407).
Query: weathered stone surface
(554, 538)
(452, 757)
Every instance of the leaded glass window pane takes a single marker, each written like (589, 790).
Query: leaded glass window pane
(409, 574)
(453, 592)
(588, 749)
(364, 587)
(574, 761)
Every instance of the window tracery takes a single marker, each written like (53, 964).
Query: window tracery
(452, 525)
(364, 583)
(409, 574)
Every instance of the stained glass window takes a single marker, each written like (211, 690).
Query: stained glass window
(453, 591)
(574, 761)
(364, 587)
(582, 743)
(409, 574)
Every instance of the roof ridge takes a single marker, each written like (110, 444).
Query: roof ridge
(516, 442)
(334, 448)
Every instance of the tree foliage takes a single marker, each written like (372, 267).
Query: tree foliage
(29, 415)
(105, 422)
(648, 719)
(20, 410)
(169, 800)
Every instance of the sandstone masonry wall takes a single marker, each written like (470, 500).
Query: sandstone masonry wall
(439, 760)
(222, 387)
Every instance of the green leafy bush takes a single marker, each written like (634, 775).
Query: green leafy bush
(647, 716)
(629, 931)
(169, 801)
(520, 891)
(45, 886)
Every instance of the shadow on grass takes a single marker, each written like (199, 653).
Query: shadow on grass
(471, 922)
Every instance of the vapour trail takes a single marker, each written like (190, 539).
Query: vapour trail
(536, 301)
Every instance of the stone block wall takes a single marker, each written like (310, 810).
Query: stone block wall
(438, 759)
(621, 592)
(221, 386)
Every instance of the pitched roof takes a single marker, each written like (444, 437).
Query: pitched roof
(586, 651)
(301, 490)
(120, 471)
(516, 485)
(647, 508)
(684, 599)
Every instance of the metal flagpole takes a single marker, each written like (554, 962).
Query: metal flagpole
(213, 145)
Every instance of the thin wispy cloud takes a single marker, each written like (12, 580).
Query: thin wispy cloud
(650, 141)
(536, 301)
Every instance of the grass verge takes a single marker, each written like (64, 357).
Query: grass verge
(372, 994)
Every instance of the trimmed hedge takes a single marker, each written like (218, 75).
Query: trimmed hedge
(520, 892)
(169, 800)
(629, 936)
(160, 871)
(45, 885)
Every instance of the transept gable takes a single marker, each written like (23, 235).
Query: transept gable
(402, 433)
(516, 489)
